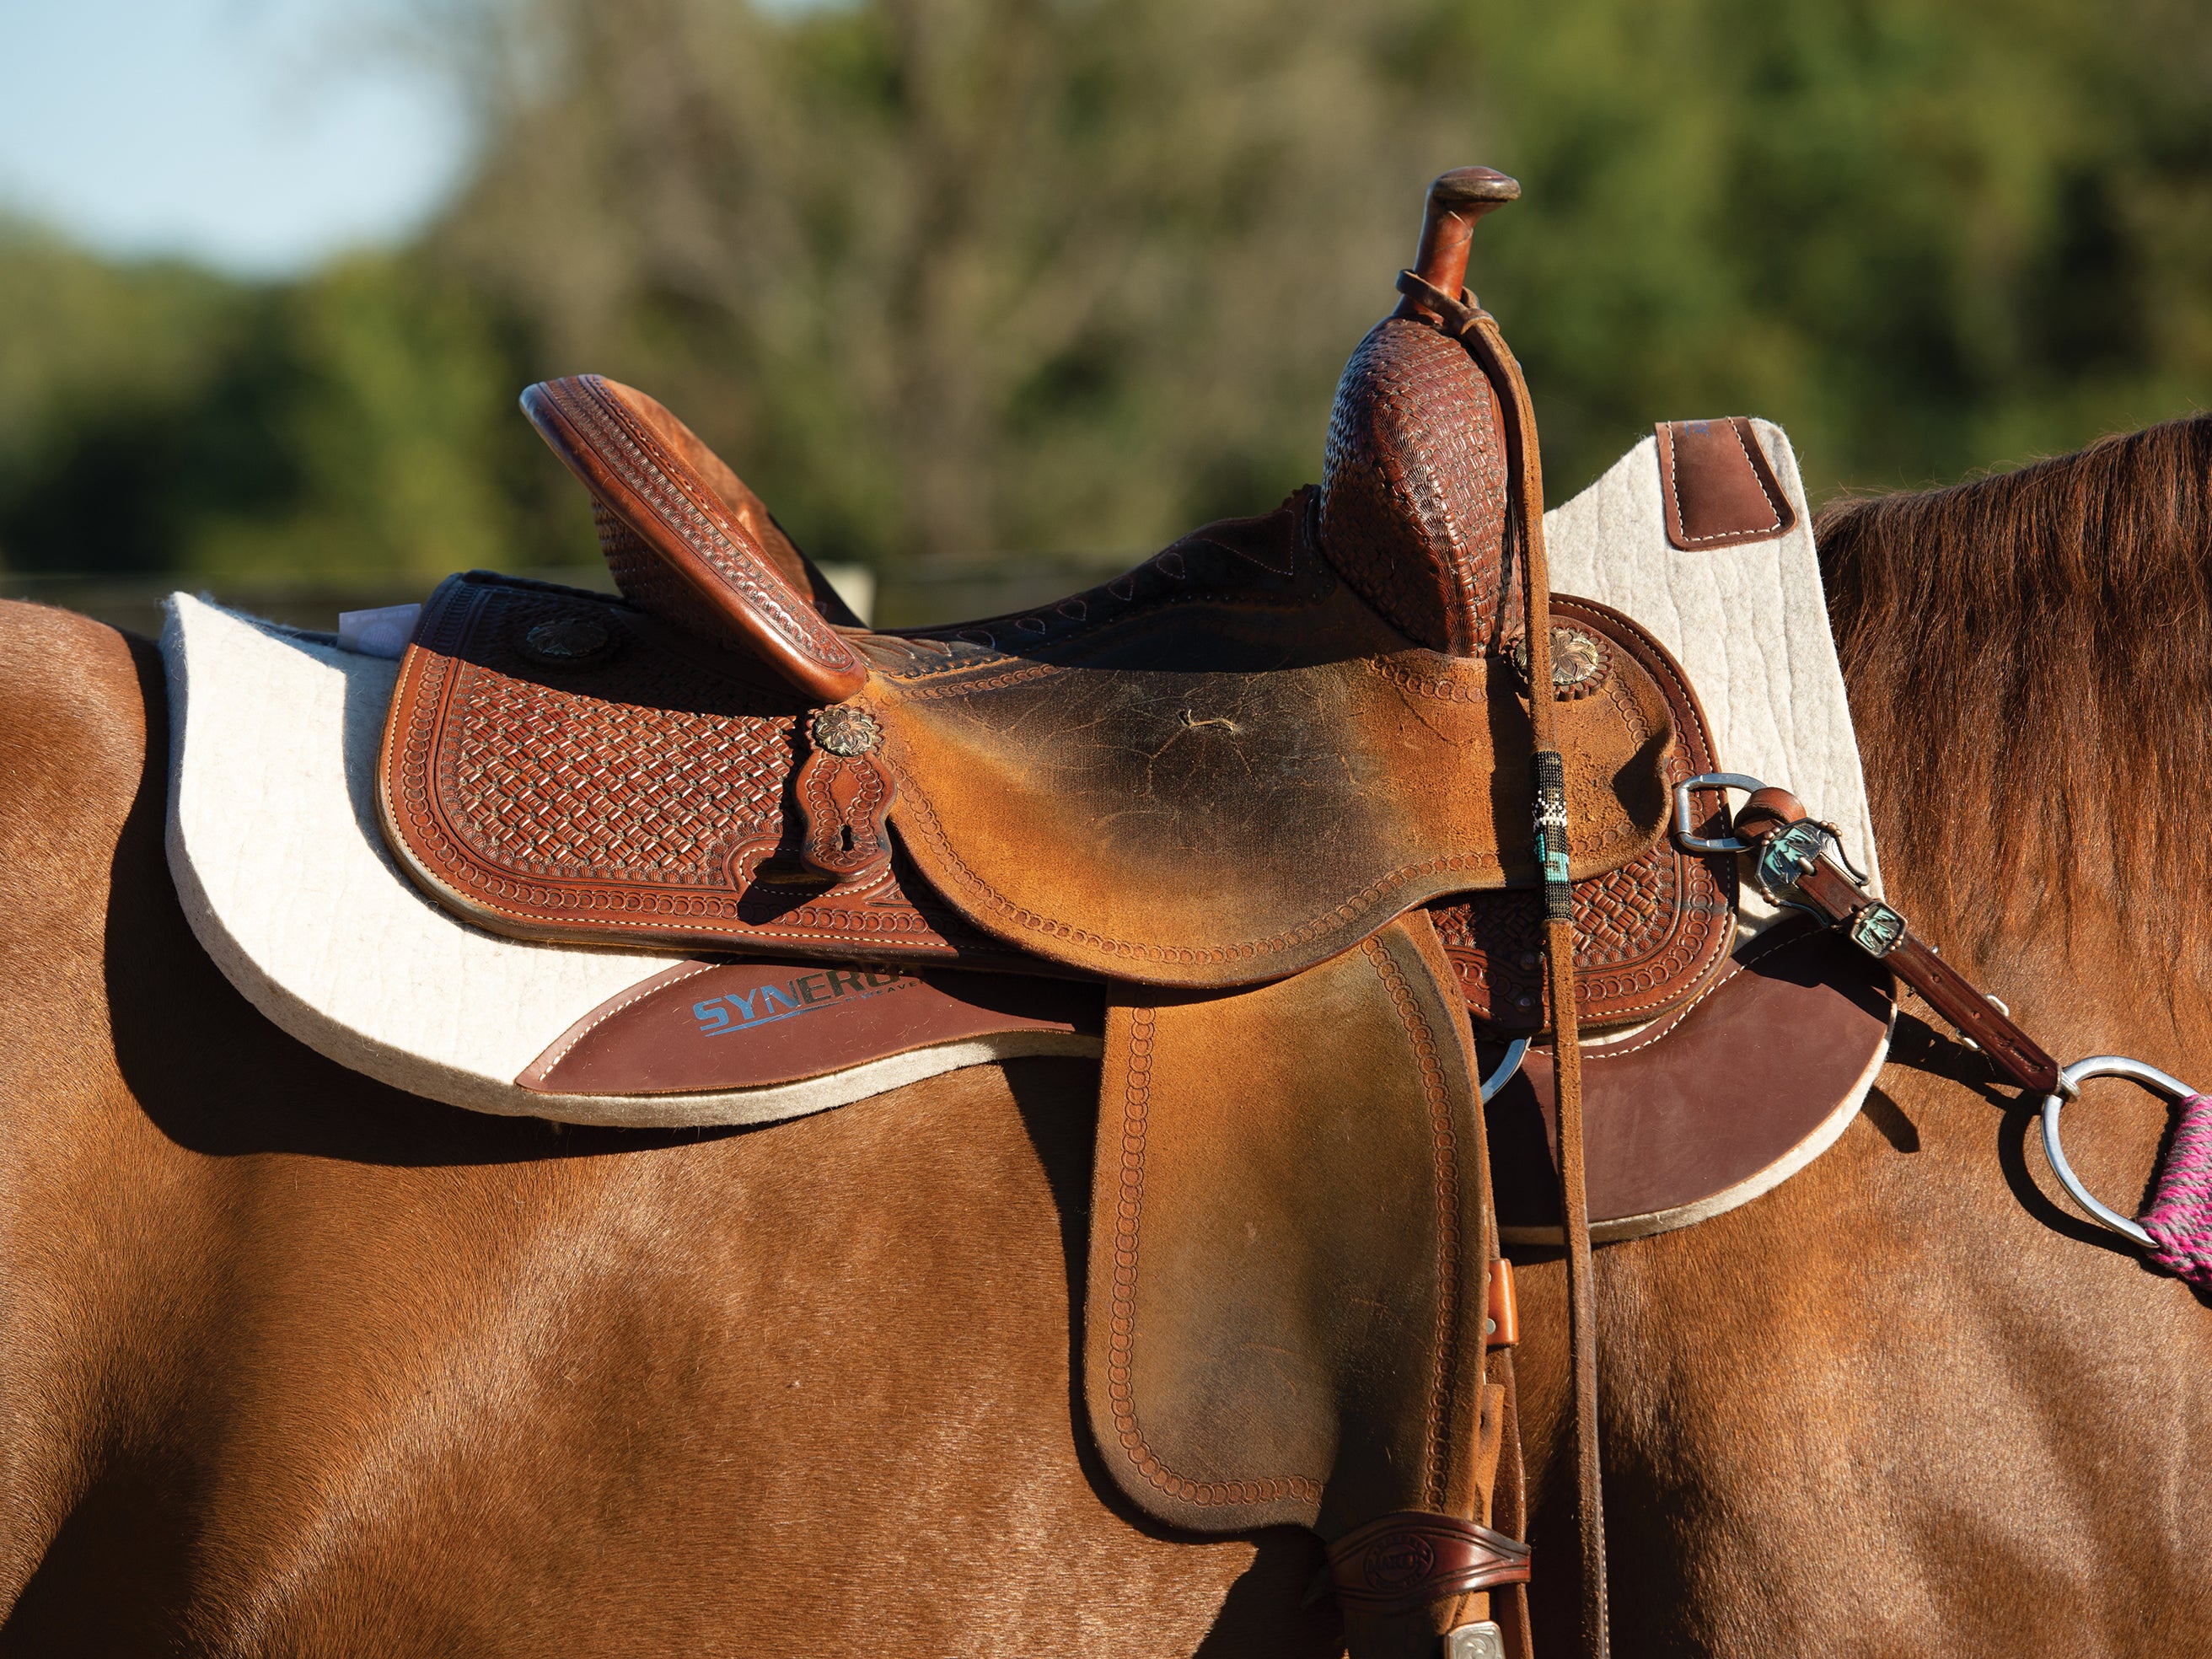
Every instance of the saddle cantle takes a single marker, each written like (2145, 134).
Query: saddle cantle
(1227, 785)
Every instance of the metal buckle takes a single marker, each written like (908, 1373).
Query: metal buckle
(1684, 831)
(1789, 853)
(1482, 1641)
(1876, 929)
(1781, 857)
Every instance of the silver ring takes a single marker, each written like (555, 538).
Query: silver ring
(2069, 1083)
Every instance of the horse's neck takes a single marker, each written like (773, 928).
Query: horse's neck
(2072, 957)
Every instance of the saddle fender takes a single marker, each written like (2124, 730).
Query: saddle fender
(1288, 1278)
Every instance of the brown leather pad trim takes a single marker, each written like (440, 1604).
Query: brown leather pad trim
(1686, 1117)
(717, 1025)
(1717, 486)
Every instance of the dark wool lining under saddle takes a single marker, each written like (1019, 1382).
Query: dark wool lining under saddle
(1270, 792)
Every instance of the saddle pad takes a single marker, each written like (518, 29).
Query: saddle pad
(1748, 622)
(284, 877)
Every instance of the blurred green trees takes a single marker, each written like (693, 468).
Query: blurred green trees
(958, 277)
(155, 418)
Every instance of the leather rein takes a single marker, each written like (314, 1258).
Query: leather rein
(1464, 320)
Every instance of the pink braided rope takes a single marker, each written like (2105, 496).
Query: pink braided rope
(2179, 1219)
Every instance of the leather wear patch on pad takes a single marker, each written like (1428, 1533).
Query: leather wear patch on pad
(1696, 1112)
(701, 1026)
(1716, 487)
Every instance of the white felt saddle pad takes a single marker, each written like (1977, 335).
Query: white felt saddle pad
(1748, 623)
(274, 845)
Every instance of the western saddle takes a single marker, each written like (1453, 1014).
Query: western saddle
(1274, 789)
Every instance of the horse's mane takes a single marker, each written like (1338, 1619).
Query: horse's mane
(2029, 658)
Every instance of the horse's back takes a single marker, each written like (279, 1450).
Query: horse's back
(290, 1361)
(74, 714)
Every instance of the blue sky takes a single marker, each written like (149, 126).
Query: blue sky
(258, 135)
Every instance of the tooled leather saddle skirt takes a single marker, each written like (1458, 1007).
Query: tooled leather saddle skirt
(563, 765)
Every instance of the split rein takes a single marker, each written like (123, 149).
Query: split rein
(1800, 862)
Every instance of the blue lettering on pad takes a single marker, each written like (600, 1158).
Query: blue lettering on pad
(808, 993)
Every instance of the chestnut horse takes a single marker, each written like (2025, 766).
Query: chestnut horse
(292, 1364)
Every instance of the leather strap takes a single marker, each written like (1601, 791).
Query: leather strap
(844, 794)
(1478, 330)
(1525, 458)
(1884, 933)
(1400, 1563)
(1509, 1511)
(1454, 317)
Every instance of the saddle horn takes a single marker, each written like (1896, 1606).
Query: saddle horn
(1458, 201)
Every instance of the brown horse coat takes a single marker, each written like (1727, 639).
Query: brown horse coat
(292, 1364)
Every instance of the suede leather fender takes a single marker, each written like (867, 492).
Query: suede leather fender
(1287, 1277)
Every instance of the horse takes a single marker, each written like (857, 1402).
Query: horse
(293, 1362)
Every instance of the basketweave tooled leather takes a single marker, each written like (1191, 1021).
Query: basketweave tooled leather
(651, 585)
(1416, 454)
(632, 797)
(1117, 790)
(1649, 935)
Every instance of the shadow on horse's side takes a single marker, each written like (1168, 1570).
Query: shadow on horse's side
(292, 1362)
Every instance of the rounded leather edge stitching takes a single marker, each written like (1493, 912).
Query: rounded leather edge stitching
(1444, 1146)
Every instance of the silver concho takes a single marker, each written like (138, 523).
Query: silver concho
(568, 641)
(1578, 662)
(845, 731)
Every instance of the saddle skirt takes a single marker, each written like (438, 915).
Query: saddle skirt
(1096, 798)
